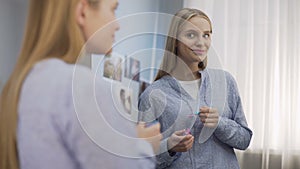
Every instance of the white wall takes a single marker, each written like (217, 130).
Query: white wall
(168, 8)
(13, 15)
(131, 39)
(135, 21)
(139, 22)
(12, 18)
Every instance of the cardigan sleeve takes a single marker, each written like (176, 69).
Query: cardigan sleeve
(234, 131)
(151, 105)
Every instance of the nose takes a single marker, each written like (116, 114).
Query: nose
(200, 41)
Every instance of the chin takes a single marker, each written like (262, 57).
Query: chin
(201, 58)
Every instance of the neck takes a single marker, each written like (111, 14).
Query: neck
(186, 72)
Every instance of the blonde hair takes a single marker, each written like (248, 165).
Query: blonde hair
(170, 55)
(51, 32)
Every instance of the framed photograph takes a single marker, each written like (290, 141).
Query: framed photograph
(132, 69)
(112, 67)
(123, 99)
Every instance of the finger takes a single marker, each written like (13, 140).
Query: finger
(179, 132)
(188, 137)
(154, 130)
(187, 144)
(203, 115)
(190, 144)
(160, 137)
(203, 120)
(155, 127)
(141, 124)
(210, 125)
(213, 110)
(181, 149)
(184, 138)
(176, 139)
(211, 120)
(157, 137)
(212, 115)
(151, 131)
(204, 109)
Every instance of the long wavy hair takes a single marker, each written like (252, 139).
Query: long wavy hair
(51, 32)
(170, 55)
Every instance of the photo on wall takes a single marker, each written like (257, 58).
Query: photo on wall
(112, 68)
(123, 99)
(132, 69)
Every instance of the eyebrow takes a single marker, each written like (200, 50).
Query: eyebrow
(207, 32)
(196, 30)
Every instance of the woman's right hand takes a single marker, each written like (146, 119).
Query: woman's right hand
(179, 142)
(151, 134)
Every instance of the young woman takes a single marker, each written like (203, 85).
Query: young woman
(182, 88)
(38, 116)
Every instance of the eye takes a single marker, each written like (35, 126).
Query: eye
(191, 35)
(207, 35)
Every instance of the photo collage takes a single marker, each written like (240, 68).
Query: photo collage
(125, 72)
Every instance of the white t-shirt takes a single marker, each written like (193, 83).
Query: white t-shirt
(191, 87)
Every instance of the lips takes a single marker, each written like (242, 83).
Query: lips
(199, 51)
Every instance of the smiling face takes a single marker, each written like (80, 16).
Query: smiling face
(194, 40)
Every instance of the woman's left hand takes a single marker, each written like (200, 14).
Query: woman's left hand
(151, 134)
(209, 116)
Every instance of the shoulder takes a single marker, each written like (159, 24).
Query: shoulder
(52, 78)
(47, 76)
(165, 81)
(56, 72)
(160, 86)
(220, 74)
(156, 93)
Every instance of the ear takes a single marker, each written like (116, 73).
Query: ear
(80, 12)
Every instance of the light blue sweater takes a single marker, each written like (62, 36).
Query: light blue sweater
(166, 101)
(56, 115)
